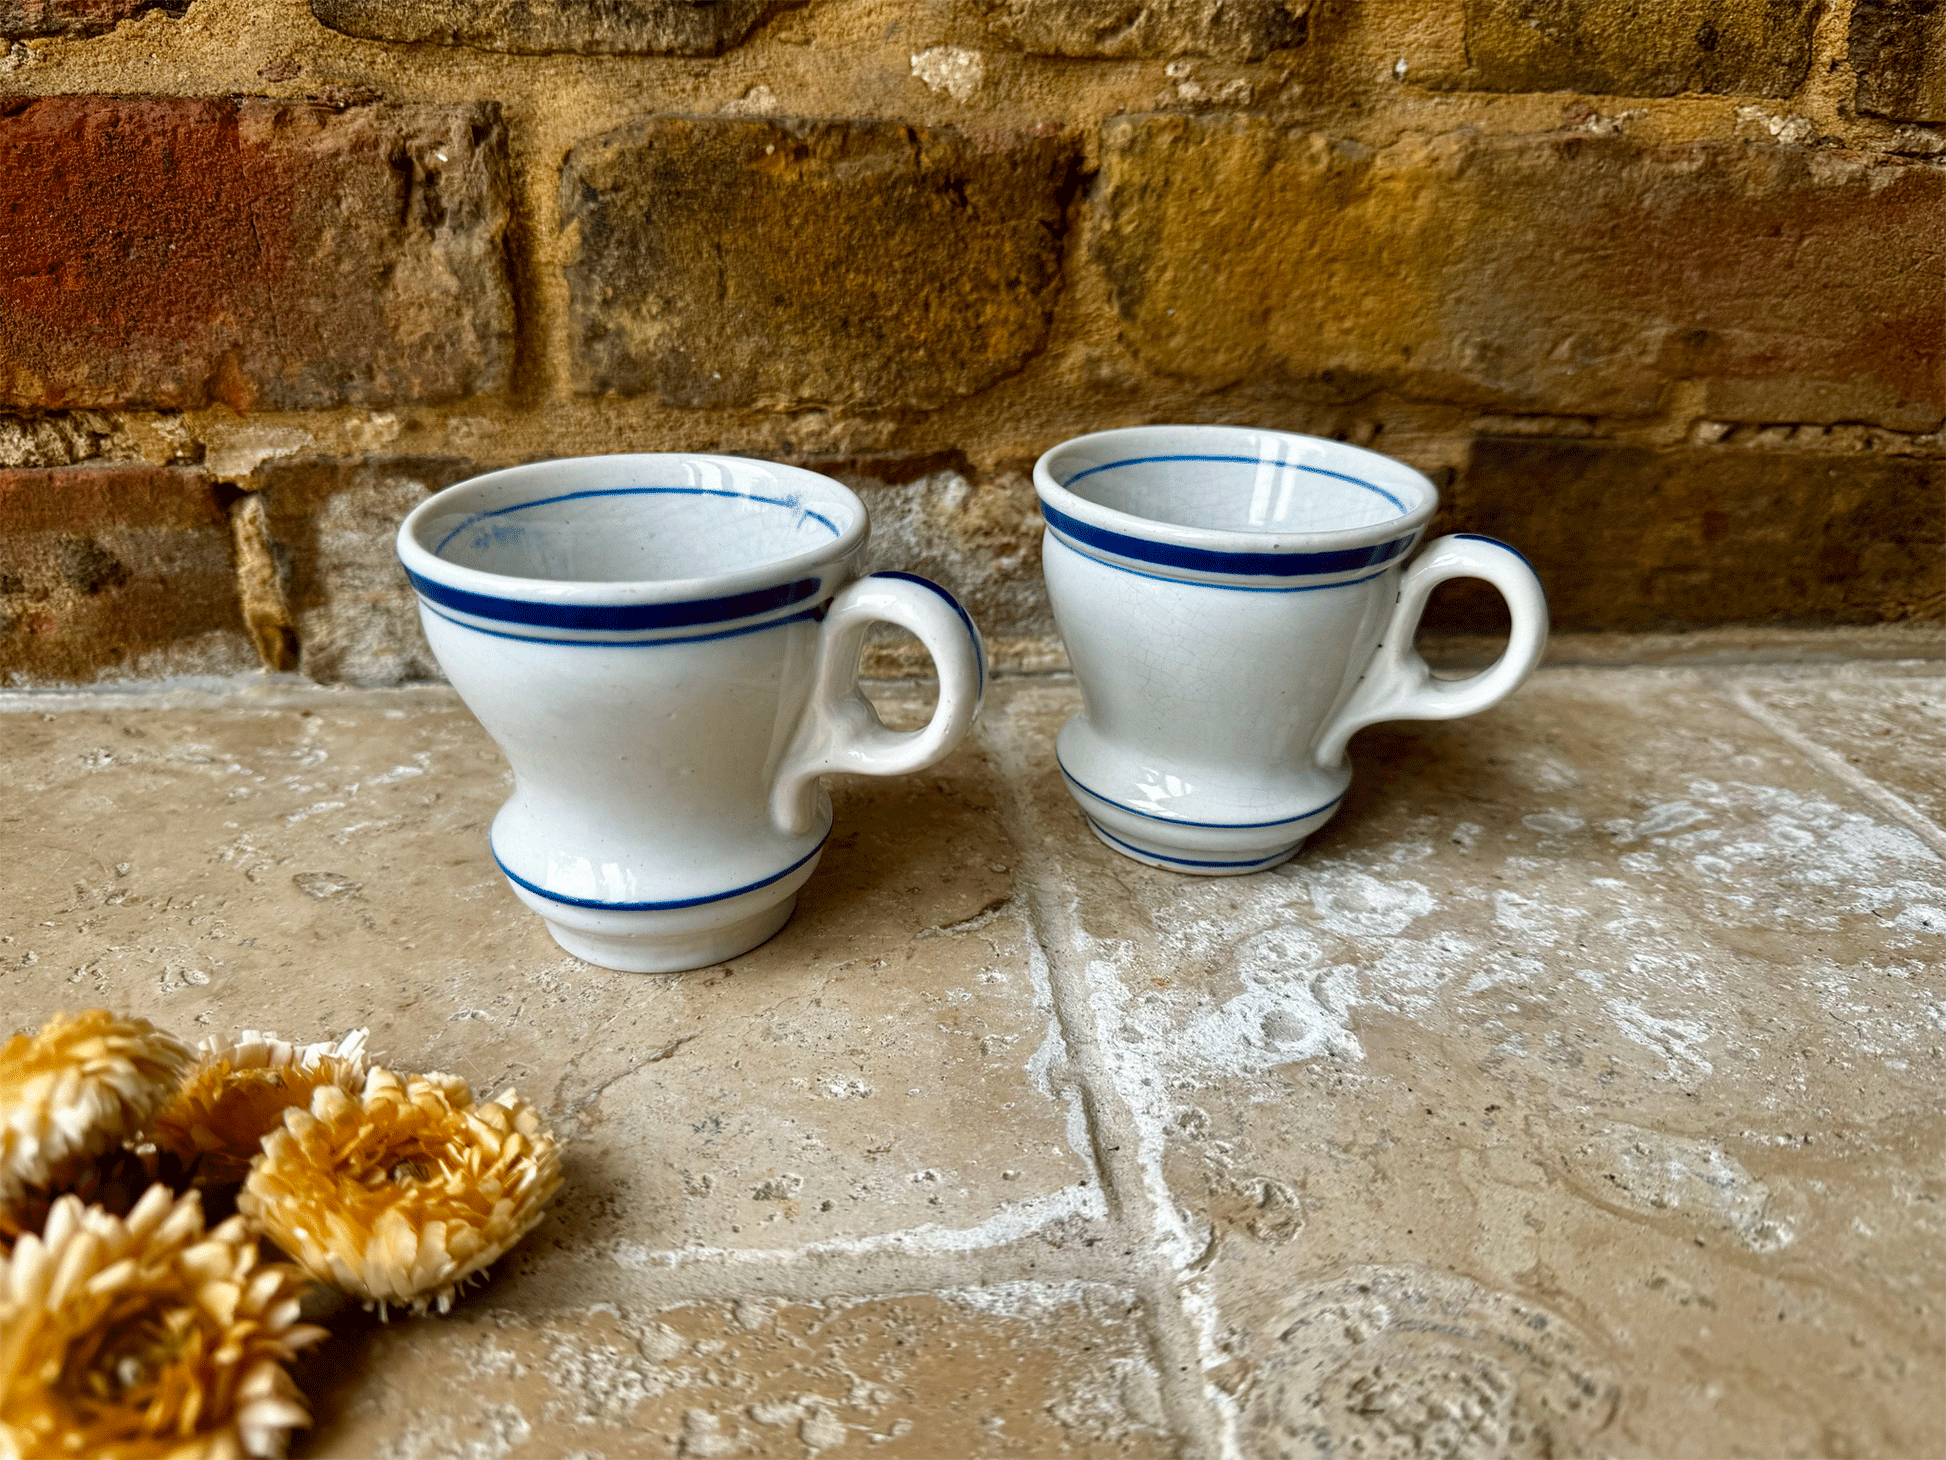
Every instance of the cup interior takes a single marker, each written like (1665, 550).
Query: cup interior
(1243, 481)
(638, 520)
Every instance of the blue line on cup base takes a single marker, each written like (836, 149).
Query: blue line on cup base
(655, 906)
(1107, 835)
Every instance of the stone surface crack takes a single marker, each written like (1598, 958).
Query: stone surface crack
(969, 925)
(1923, 826)
(1138, 1200)
(653, 1057)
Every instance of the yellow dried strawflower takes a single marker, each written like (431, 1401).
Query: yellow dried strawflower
(147, 1338)
(79, 1087)
(237, 1094)
(400, 1194)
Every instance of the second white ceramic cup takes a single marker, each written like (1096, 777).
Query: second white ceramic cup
(666, 649)
(1236, 603)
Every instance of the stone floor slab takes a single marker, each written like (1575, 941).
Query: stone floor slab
(312, 862)
(1017, 1370)
(1606, 1025)
(1574, 1092)
(1886, 725)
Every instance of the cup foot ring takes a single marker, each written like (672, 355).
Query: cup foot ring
(671, 939)
(1194, 861)
(650, 951)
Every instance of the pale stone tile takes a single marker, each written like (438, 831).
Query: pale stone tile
(1575, 1090)
(1019, 1369)
(1886, 725)
(883, 1071)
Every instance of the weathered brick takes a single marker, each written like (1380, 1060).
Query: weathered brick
(57, 440)
(1553, 273)
(106, 568)
(174, 252)
(976, 532)
(1235, 30)
(1898, 54)
(19, 18)
(353, 613)
(1658, 48)
(1628, 537)
(599, 27)
(733, 261)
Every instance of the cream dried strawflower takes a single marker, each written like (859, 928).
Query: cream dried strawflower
(79, 1087)
(399, 1194)
(146, 1337)
(237, 1093)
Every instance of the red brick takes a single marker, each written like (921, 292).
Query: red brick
(106, 568)
(1555, 273)
(170, 252)
(75, 17)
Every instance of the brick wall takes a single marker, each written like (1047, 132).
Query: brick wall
(1656, 292)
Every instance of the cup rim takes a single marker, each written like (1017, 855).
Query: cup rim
(1053, 494)
(423, 561)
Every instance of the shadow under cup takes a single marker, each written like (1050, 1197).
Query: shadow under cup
(1221, 592)
(639, 635)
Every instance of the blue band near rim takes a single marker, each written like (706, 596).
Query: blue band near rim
(1255, 461)
(1208, 560)
(792, 503)
(616, 616)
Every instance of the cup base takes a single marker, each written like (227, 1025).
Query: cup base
(670, 939)
(652, 951)
(1196, 861)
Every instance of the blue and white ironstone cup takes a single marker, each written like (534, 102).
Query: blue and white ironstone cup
(1236, 603)
(666, 649)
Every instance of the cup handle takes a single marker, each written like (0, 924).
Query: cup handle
(840, 731)
(1398, 685)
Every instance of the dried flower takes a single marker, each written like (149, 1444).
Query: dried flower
(113, 1181)
(146, 1338)
(79, 1087)
(237, 1094)
(402, 1193)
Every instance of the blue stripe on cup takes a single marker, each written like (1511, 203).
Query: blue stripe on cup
(1256, 461)
(793, 503)
(616, 617)
(1106, 835)
(1208, 560)
(679, 903)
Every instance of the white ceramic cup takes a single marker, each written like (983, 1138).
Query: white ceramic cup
(666, 649)
(1236, 603)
